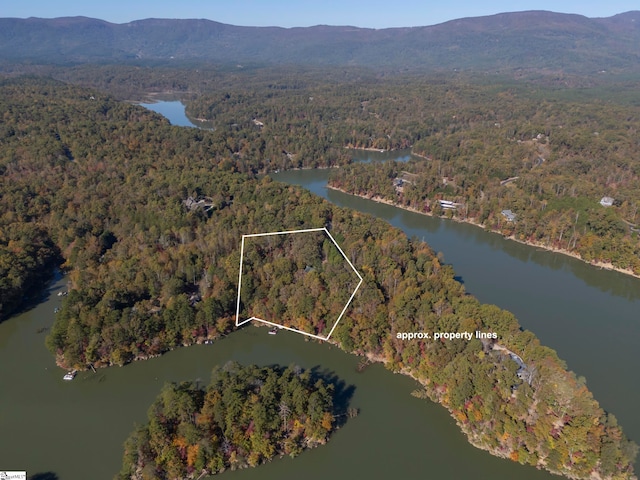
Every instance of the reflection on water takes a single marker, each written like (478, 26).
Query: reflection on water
(368, 156)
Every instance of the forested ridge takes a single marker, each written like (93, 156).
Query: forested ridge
(109, 185)
(246, 416)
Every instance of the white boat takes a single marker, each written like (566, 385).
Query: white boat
(70, 375)
(273, 331)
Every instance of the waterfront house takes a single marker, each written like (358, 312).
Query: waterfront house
(509, 215)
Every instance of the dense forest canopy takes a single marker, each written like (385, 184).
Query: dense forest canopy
(117, 192)
(297, 280)
(246, 416)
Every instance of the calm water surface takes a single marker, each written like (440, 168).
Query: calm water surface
(75, 430)
(174, 111)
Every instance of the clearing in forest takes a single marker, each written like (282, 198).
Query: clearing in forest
(299, 280)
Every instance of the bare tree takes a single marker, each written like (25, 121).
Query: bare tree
(285, 411)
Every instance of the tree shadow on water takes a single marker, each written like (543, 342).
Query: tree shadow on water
(342, 394)
(44, 476)
(39, 292)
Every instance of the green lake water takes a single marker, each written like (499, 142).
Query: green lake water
(76, 429)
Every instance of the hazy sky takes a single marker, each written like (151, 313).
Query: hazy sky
(302, 13)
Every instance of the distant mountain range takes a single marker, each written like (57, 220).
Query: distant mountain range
(531, 40)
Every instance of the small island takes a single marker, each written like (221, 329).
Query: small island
(246, 416)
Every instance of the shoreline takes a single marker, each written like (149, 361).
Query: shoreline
(368, 149)
(473, 438)
(480, 439)
(381, 150)
(470, 221)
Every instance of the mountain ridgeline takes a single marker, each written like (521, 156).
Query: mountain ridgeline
(538, 41)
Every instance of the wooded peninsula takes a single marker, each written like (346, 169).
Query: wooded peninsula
(111, 192)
